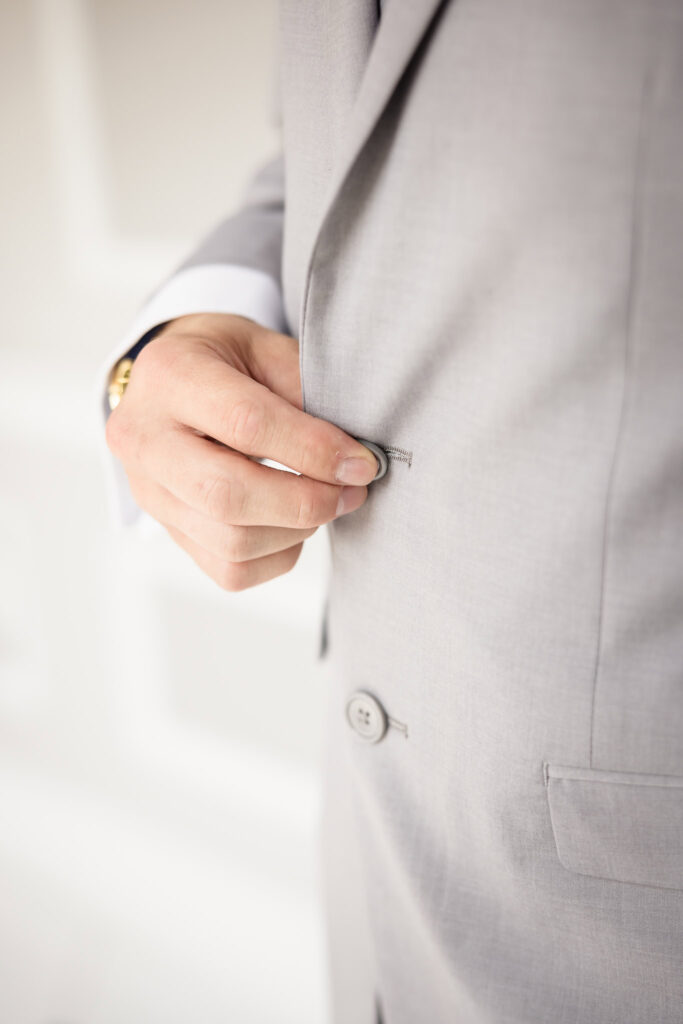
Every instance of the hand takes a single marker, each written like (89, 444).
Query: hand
(210, 378)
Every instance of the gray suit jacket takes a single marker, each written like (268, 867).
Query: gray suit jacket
(479, 239)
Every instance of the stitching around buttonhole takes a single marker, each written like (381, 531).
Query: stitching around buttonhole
(399, 455)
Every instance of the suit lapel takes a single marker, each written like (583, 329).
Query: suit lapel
(402, 26)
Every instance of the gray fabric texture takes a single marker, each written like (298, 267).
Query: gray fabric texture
(481, 228)
(251, 237)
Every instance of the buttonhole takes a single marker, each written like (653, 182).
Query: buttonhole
(401, 726)
(399, 455)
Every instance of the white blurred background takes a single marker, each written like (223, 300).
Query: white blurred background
(159, 738)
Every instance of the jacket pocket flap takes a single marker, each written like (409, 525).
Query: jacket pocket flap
(623, 826)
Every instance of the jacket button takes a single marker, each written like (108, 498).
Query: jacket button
(366, 716)
(380, 455)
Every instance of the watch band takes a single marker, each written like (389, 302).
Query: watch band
(120, 373)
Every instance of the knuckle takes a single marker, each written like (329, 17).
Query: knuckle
(233, 577)
(236, 543)
(308, 512)
(314, 446)
(222, 499)
(156, 360)
(246, 424)
(128, 437)
(214, 496)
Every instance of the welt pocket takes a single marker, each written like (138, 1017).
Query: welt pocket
(621, 826)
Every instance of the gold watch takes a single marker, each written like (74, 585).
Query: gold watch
(118, 381)
(120, 375)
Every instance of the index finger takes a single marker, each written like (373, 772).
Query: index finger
(231, 407)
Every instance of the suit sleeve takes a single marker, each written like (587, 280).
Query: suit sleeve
(235, 269)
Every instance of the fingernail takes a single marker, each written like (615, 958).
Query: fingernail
(357, 471)
(350, 498)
